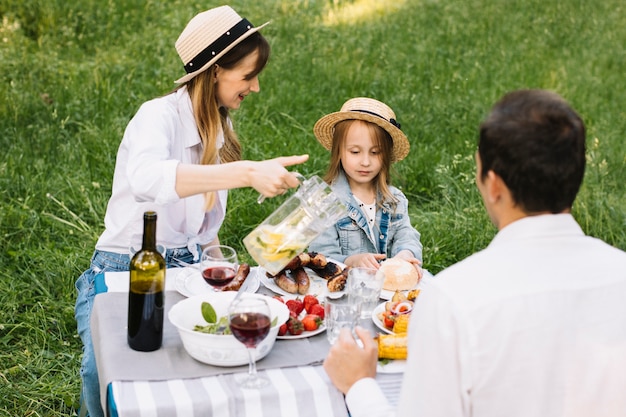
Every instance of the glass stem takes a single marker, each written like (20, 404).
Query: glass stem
(251, 363)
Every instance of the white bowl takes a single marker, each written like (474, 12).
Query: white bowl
(220, 350)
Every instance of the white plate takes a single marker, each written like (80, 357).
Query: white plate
(394, 366)
(387, 294)
(303, 334)
(189, 282)
(379, 309)
(318, 286)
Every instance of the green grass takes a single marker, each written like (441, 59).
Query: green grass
(73, 73)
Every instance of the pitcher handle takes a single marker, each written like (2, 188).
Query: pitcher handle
(300, 178)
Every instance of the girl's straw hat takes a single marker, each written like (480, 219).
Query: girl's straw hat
(370, 110)
(208, 36)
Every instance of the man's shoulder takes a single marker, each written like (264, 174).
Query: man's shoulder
(479, 259)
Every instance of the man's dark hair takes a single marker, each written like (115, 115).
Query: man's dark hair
(535, 142)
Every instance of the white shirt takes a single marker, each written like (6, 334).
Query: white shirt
(161, 135)
(534, 325)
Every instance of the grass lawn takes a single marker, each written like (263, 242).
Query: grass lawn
(72, 74)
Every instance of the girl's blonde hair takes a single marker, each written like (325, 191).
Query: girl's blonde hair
(381, 140)
(210, 117)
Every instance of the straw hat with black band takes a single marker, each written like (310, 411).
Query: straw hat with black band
(208, 36)
(369, 110)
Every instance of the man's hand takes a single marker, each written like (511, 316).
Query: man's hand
(346, 362)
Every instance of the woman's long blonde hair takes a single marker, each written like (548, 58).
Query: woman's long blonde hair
(382, 140)
(210, 117)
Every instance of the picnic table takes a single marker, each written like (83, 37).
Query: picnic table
(169, 382)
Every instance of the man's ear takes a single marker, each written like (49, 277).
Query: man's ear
(494, 187)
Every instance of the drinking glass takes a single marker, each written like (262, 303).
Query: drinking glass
(218, 265)
(339, 313)
(250, 322)
(364, 286)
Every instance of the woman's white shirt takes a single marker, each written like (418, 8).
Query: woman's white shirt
(161, 135)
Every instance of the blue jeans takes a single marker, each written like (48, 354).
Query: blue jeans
(102, 262)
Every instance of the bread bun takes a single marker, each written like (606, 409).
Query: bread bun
(399, 274)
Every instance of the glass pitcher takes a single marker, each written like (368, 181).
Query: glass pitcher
(292, 226)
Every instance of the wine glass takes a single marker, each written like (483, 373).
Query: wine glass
(250, 322)
(219, 265)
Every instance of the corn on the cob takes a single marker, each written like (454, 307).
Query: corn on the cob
(412, 295)
(401, 323)
(392, 346)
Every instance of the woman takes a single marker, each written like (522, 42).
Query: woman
(179, 156)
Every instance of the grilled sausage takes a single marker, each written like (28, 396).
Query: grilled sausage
(330, 270)
(286, 283)
(301, 260)
(302, 278)
(338, 282)
(317, 261)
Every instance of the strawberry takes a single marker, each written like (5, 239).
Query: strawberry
(282, 330)
(311, 322)
(318, 310)
(279, 298)
(295, 305)
(309, 301)
(294, 326)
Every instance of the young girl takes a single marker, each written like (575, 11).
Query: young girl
(178, 157)
(365, 139)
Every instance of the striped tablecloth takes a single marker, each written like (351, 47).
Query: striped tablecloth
(300, 391)
(295, 392)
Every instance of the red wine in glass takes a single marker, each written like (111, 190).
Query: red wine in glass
(218, 276)
(250, 328)
(249, 321)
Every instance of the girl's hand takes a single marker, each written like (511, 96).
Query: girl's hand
(407, 255)
(365, 260)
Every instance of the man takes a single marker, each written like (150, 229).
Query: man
(533, 325)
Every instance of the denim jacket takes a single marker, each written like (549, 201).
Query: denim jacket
(351, 234)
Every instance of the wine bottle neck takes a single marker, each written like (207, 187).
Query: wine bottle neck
(149, 231)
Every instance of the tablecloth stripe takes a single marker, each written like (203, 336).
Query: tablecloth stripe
(390, 385)
(163, 398)
(145, 400)
(321, 399)
(215, 391)
(181, 398)
(251, 398)
(287, 400)
(197, 397)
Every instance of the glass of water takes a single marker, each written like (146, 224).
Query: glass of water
(364, 286)
(339, 313)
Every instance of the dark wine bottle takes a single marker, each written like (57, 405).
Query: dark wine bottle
(145, 298)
